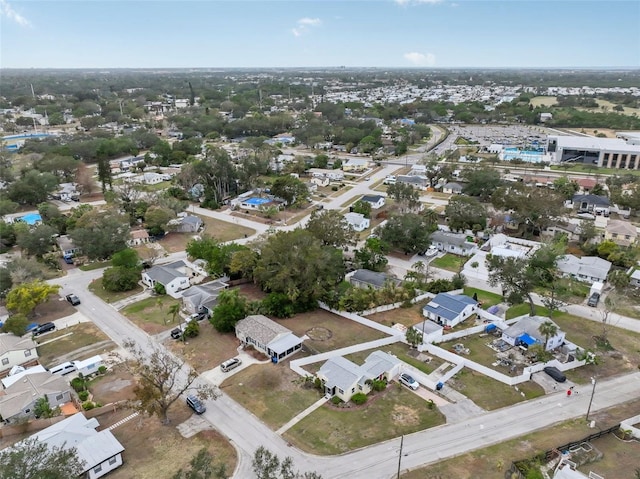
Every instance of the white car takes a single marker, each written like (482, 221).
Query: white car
(409, 381)
(431, 251)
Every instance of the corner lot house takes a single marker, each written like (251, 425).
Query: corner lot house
(449, 310)
(172, 276)
(621, 232)
(20, 397)
(340, 377)
(99, 452)
(455, 243)
(268, 337)
(356, 164)
(16, 351)
(376, 201)
(357, 221)
(527, 332)
(587, 268)
(364, 278)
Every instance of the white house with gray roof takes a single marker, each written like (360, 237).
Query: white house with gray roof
(357, 221)
(16, 351)
(449, 309)
(203, 297)
(172, 276)
(587, 269)
(19, 398)
(527, 332)
(455, 243)
(186, 224)
(340, 377)
(364, 278)
(376, 201)
(99, 452)
(268, 337)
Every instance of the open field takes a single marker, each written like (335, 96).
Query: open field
(328, 331)
(224, 230)
(388, 414)
(406, 316)
(537, 101)
(116, 385)
(107, 296)
(490, 462)
(273, 393)
(152, 314)
(80, 338)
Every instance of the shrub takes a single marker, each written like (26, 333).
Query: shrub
(119, 278)
(78, 384)
(379, 385)
(88, 405)
(318, 383)
(83, 395)
(278, 305)
(359, 398)
(102, 369)
(336, 400)
(159, 289)
(192, 330)
(334, 188)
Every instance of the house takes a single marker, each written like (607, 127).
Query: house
(186, 224)
(356, 164)
(151, 178)
(591, 203)
(566, 469)
(634, 279)
(364, 278)
(452, 188)
(18, 372)
(587, 269)
(16, 351)
(376, 201)
(342, 378)
(172, 276)
(526, 332)
(268, 337)
(621, 232)
(98, 451)
(332, 175)
(138, 237)
(449, 309)
(66, 245)
(90, 366)
(430, 331)
(320, 181)
(571, 230)
(417, 181)
(455, 243)
(19, 399)
(203, 297)
(357, 221)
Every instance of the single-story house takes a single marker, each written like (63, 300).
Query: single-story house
(364, 278)
(20, 397)
(449, 309)
(430, 331)
(172, 276)
(356, 164)
(66, 245)
(90, 366)
(452, 188)
(332, 175)
(138, 237)
(591, 203)
(455, 243)
(18, 372)
(98, 451)
(571, 230)
(621, 232)
(357, 221)
(16, 351)
(376, 201)
(417, 181)
(526, 332)
(587, 268)
(186, 224)
(151, 178)
(203, 297)
(340, 377)
(634, 279)
(268, 337)
(320, 181)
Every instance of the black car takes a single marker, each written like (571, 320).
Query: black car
(555, 373)
(195, 404)
(73, 299)
(44, 328)
(176, 333)
(593, 300)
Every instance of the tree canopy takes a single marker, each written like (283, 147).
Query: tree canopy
(331, 228)
(32, 459)
(24, 297)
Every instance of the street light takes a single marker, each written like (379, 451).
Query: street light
(593, 391)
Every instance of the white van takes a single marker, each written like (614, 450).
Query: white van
(230, 364)
(64, 369)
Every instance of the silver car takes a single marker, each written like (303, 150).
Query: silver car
(409, 381)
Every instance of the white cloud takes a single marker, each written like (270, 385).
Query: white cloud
(303, 25)
(8, 11)
(416, 2)
(420, 59)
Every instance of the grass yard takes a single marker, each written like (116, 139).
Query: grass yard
(272, 392)
(478, 350)
(404, 353)
(78, 338)
(490, 394)
(54, 308)
(224, 230)
(487, 298)
(95, 265)
(153, 450)
(620, 459)
(328, 331)
(522, 309)
(207, 350)
(490, 462)
(107, 296)
(152, 314)
(389, 414)
(450, 262)
(537, 101)
(406, 316)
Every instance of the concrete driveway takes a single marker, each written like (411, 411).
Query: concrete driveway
(426, 395)
(217, 376)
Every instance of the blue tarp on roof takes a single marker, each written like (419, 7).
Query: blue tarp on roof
(490, 327)
(526, 339)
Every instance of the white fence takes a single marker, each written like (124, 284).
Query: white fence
(629, 425)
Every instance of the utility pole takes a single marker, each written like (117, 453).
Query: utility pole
(593, 391)
(400, 455)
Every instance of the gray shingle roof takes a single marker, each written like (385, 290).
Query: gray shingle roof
(166, 273)
(372, 198)
(591, 199)
(261, 328)
(373, 278)
(32, 386)
(529, 325)
(591, 266)
(456, 239)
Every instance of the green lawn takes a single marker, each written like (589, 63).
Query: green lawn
(225, 230)
(487, 298)
(522, 309)
(450, 262)
(107, 296)
(96, 265)
(152, 314)
(394, 412)
(402, 352)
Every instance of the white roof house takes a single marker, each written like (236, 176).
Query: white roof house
(357, 221)
(527, 331)
(16, 350)
(587, 268)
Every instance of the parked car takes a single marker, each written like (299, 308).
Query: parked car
(198, 316)
(177, 333)
(68, 259)
(409, 381)
(555, 373)
(195, 404)
(44, 328)
(593, 300)
(230, 364)
(431, 251)
(73, 299)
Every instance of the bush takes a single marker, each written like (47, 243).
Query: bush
(192, 330)
(102, 369)
(318, 383)
(78, 384)
(359, 398)
(379, 385)
(88, 405)
(159, 289)
(83, 395)
(278, 305)
(336, 400)
(334, 188)
(119, 278)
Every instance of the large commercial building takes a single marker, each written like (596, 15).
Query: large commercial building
(622, 152)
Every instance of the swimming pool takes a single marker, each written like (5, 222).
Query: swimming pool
(256, 201)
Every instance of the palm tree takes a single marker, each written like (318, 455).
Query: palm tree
(174, 309)
(548, 329)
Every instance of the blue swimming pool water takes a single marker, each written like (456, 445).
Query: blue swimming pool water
(256, 201)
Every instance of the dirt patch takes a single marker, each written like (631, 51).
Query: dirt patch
(174, 242)
(252, 292)
(53, 309)
(319, 334)
(405, 416)
(116, 385)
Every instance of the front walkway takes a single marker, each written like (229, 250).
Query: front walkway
(302, 415)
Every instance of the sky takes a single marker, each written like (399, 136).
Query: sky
(319, 33)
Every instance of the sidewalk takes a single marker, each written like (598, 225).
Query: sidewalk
(302, 415)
